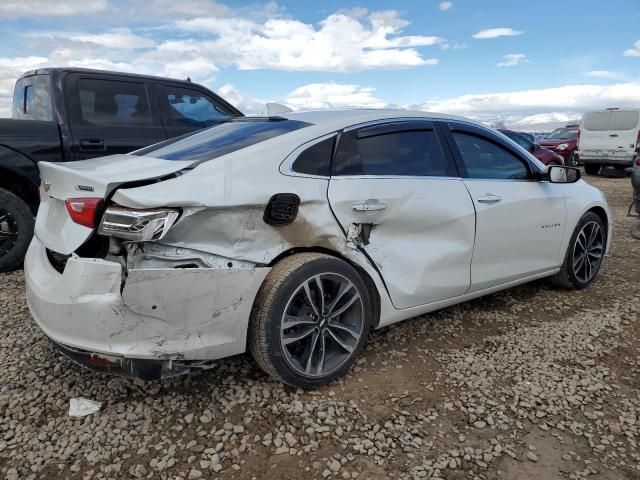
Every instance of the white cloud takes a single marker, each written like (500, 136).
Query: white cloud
(567, 98)
(48, 8)
(633, 51)
(513, 59)
(313, 96)
(608, 74)
(496, 32)
(343, 42)
(10, 69)
(242, 101)
(333, 95)
(118, 38)
(445, 6)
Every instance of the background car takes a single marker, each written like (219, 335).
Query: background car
(635, 183)
(609, 137)
(294, 236)
(564, 142)
(545, 155)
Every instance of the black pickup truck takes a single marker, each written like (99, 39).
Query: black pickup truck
(68, 114)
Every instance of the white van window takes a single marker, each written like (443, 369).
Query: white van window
(597, 121)
(622, 120)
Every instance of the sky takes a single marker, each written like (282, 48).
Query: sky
(525, 63)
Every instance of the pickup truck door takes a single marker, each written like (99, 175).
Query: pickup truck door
(111, 115)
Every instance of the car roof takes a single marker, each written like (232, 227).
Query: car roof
(346, 117)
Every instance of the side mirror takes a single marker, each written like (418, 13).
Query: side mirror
(559, 174)
(536, 146)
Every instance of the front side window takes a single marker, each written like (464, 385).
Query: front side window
(399, 153)
(221, 139)
(485, 159)
(596, 121)
(563, 134)
(623, 120)
(113, 103)
(189, 108)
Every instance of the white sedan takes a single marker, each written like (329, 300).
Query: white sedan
(293, 236)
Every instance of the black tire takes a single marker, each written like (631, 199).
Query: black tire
(567, 277)
(16, 230)
(591, 168)
(277, 295)
(573, 160)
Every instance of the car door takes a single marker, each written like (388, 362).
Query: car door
(111, 115)
(186, 110)
(396, 193)
(520, 220)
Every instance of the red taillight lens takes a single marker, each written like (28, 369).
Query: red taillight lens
(638, 160)
(83, 211)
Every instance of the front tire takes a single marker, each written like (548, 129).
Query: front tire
(16, 230)
(584, 255)
(573, 160)
(591, 168)
(310, 320)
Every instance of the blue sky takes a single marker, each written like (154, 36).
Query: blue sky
(486, 59)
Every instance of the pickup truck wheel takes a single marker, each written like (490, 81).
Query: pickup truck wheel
(591, 168)
(16, 230)
(310, 321)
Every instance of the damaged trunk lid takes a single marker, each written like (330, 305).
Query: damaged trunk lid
(88, 179)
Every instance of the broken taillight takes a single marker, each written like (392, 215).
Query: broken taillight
(84, 211)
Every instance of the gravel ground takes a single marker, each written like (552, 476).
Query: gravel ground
(531, 383)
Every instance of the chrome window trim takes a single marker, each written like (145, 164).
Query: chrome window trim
(384, 121)
(393, 177)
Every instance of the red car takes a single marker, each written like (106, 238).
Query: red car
(545, 155)
(564, 142)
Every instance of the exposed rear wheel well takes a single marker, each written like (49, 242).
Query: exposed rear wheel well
(21, 187)
(370, 284)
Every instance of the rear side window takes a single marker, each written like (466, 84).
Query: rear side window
(189, 108)
(623, 120)
(221, 139)
(597, 121)
(113, 103)
(399, 153)
(485, 159)
(316, 160)
(32, 98)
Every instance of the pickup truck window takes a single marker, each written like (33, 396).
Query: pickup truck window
(32, 98)
(112, 102)
(190, 108)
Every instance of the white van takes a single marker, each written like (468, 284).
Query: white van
(608, 138)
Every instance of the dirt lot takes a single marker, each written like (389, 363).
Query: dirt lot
(531, 383)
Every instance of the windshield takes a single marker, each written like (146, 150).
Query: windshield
(222, 139)
(563, 134)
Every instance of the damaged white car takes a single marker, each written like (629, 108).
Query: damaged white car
(292, 237)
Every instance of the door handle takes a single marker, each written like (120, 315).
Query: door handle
(91, 145)
(489, 198)
(613, 135)
(368, 206)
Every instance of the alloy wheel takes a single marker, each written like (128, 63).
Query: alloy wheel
(588, 251)
(322, 324)
(8, 232)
